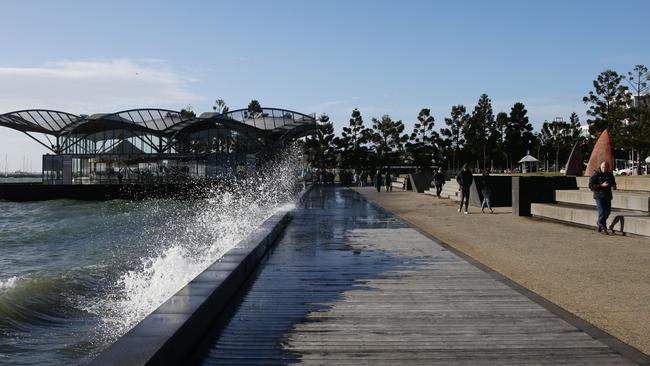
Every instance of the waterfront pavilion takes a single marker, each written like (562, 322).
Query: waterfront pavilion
(155, 145)
(529, 164)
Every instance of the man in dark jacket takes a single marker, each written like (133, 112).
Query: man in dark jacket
(601, 183)
(439, 181)
(377, 181)
(465, 180)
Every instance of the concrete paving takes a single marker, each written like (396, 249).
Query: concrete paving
(602, 279)
(348, 283)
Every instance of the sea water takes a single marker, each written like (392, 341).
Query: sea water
(75, 276)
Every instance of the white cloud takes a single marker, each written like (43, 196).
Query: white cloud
(89, 86)
(93, 86)
(332, 103)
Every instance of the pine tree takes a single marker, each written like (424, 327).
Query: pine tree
(481, 133)
(638, 130)
(220, 106)
(555, 137)
(454, 139)
(519, 136)
(321, 150)
(608, 105)
(575, 129)
(501, 126)
(387, 139)
(423, 143)
(352, 142)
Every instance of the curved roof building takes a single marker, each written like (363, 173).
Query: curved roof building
(140, 145)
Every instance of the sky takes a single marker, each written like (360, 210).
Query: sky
(383, 57)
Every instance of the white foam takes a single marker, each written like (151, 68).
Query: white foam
(8, 283)
(191, 241)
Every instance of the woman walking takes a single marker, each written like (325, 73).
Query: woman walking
(389, 181)
(439, 181)
(486, 191)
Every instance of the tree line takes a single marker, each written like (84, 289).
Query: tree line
(485, 140)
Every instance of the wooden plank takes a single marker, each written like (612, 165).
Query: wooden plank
(350, 284)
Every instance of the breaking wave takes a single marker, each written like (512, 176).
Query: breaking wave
(78, 275)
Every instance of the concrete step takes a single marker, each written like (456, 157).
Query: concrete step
(637, 183)
(454, 196)
(452, 183)
(624, 200)
(451, 190)
(432, 192)
(632, 222)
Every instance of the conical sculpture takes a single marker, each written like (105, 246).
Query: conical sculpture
(602, 152)
(574, 164)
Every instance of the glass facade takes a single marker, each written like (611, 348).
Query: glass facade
(127, 156)
(155, 145)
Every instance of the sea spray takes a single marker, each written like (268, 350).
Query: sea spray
(194, 235)
(8, 283)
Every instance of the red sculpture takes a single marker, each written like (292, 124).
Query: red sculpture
(602, 152)
(574, 164)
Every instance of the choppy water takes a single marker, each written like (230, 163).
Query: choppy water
(74, 276)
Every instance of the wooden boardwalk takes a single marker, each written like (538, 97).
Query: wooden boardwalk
(349, 284)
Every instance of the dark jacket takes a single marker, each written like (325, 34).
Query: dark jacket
(485, 184)
(599, 178)
(377, 179)
(465, 180)
(439, 179)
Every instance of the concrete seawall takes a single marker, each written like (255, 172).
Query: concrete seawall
(169, 334)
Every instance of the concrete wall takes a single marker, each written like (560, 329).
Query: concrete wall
(624, 200)
(622, 183)
(419, 182)
(501, 187)
(536, 189)
(501, 191)
(171, 333)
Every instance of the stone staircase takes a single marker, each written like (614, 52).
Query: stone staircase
(399, 183)
(630, 206)
(450, 190)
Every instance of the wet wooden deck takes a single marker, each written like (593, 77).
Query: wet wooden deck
(349, 284)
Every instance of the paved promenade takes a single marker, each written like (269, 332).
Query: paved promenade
(602, 279)
(348, 283)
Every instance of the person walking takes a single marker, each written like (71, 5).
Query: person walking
(439, 181)
(389, 181)
(465, 180)
(602, 182)
(355, 179)
(377, 180)
(486, 191)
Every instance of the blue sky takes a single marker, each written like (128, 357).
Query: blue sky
(384, 57)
